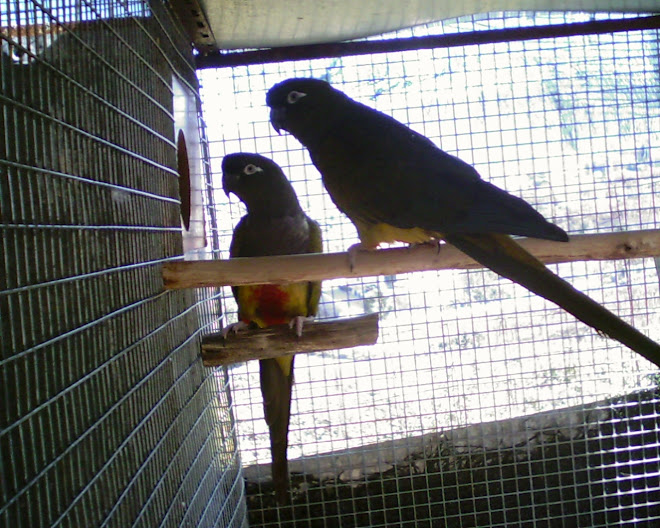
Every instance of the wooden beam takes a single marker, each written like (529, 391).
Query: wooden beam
(295, 268)
(280, 340)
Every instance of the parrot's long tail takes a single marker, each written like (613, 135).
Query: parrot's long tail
(276, 390)
(505, 256)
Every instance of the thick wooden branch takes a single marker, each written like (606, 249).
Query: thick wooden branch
(280, 340)
(293, 268)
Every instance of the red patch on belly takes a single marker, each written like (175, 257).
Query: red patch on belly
(271, 303)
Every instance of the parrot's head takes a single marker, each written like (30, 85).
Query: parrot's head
(259, 183)
(302, 107)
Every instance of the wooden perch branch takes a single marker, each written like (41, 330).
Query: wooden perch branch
(280, 340)
(293, 268)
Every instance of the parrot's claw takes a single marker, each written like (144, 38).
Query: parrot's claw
(298, 322)
(435, 243)
(234, 328)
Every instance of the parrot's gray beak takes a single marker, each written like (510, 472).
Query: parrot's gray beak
(229, 181)
(277, 116)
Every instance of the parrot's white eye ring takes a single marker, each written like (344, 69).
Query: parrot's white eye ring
(293, 97)
(251, 169)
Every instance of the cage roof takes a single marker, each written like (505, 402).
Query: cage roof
(236, 24)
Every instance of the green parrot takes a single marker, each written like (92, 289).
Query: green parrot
(275, 224)
(396, 185)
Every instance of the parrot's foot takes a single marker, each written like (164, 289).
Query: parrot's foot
(298, 322)
(234, 328)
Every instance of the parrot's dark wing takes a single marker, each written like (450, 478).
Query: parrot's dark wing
(315, 245)
(401, 178)
(236, 248)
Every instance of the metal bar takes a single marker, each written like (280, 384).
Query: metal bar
(89, 181)
(104, 271)
(343, 49)
(83, 133)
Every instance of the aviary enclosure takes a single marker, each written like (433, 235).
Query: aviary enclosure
(480, 404)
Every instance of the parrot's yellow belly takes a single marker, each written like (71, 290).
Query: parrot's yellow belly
(273, 304)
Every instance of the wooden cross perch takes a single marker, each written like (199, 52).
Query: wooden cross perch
(280, 340)
(330, 335)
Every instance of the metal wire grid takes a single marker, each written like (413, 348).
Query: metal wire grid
(109, 418)
(473, 377)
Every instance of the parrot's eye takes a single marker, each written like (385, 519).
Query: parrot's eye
(293, 97)
(251, 169)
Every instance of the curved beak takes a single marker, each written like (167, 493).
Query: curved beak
(277, 118)
(229, 181)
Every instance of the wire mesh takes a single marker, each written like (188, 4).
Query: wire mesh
(109, 418)
(481, 404)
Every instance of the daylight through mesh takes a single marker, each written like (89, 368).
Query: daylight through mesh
(481, 404)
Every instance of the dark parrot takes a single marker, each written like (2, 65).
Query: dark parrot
(275, 224)
(396, 185)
